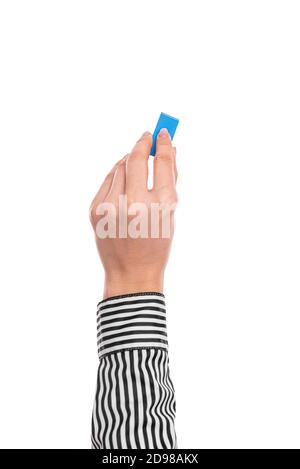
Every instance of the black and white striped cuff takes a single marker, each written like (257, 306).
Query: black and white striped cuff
(136, 320)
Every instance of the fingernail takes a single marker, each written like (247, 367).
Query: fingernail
(145, 134)
(163, 133)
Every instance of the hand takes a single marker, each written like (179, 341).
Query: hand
(133, 225)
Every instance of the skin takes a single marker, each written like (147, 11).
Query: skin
(137, 265)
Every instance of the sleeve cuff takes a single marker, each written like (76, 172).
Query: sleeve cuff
(135, 320)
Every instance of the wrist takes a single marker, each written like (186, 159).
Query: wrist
(122, 283)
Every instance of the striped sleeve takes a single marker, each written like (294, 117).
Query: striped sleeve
(134, 405)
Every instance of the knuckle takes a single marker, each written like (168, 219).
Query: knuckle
(168, 195)
(134, 197)
(134, 155)
(164, 154)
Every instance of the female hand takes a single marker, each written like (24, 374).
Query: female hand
(133, 225)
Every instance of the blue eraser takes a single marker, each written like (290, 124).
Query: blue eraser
(164, 122)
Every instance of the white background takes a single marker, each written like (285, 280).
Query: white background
(79, 82)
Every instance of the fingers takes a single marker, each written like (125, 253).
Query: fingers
(137, 164)
(130, 174)
(164, 163)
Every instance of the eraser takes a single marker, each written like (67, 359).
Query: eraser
(164, 122)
